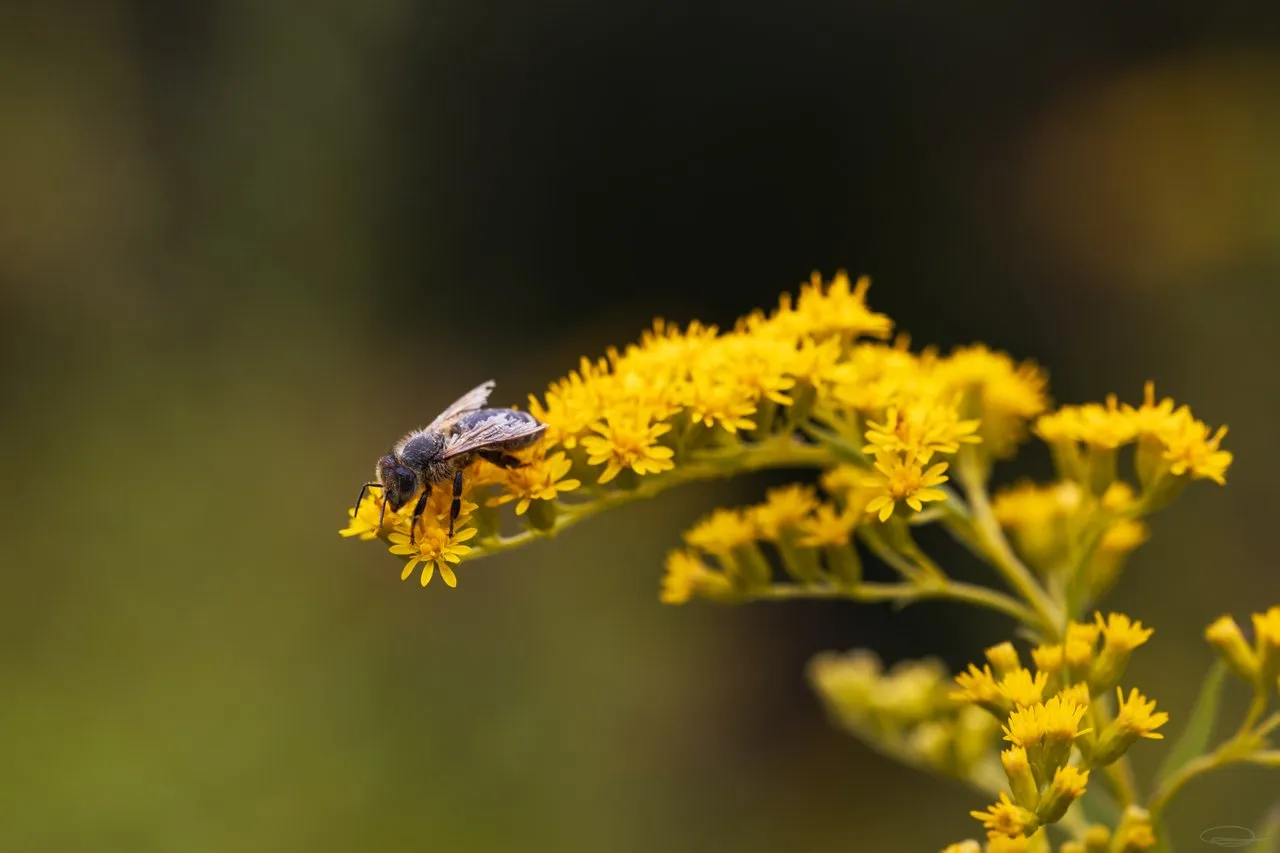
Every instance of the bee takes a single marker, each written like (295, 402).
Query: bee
(442, 450)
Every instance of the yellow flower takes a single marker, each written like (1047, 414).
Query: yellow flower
(838, 309)
(1003, 658)
(1139, 716)
(1003, 395)
(979, 686)
(1266, 627)
(827, 526)
(969, 846)
(1067, 786)
(1120, 633)
(574, 403)
(628, 442)
(1029, 504)
(1189, 449)
(1225, 635)
(1021, 688)
(920, 431)
(1048, 658)
(905, 480)
(1007, 818)
(538, 480)
(434, 549)
(364, 519)
(723, 531)
(1094, 424)
(687, 575)
(784, 508)
(1056, 719)
(712, 401)
(999, 843)
(1135, 718)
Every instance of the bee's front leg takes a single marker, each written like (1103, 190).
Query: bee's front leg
(456, 506)
(418, 509)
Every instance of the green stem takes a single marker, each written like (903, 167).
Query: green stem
(1242, 747)
(978, 596)
(998, 551)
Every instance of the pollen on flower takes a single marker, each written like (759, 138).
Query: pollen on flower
(538, 480)
(626, 442)
(920, 430)
(905, 480)
(1006, 817)
(434, 549)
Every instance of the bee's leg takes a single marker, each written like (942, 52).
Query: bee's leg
(502, 460)
(418, 509)
(456, 506)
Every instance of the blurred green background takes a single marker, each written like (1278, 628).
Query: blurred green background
(244, 245)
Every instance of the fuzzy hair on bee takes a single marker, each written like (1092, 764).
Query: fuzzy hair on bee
(442, 450)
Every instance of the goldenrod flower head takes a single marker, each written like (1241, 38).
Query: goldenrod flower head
(1057, 719)
(434, 549)
(1000, 843)
(1048, 658)
(1135, 718)
(1077, 693)
(967, 846)
(723, 531)
(1004, 395)
(715, 402)
(840, 309)
(1030, 504)
(688, 576)
(1266, 627)
(1092, 424)
(920, 430)
(827, 526)
(1003, 658)
(1081, 641)
(1187, 444)
(1139, 716)
(539, 479)
(1135, 833)
(1021, 688)
(905, 480)
(1225, 636)
(628, 442)
(784, 509)
(1022, 781)
(979, 686)
(1067, 786)
(1120, 633)
(1006, 817)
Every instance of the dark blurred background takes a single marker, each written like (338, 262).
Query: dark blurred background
(244, 245)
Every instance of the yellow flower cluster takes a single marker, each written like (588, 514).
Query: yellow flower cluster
(1043, 716)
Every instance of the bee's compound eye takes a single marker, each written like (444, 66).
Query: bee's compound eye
(405, 481)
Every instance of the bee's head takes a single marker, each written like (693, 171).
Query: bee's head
(399, 483)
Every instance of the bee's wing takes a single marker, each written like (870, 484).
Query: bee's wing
(470, 401)
(491, 431)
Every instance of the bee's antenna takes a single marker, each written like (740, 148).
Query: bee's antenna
(360, 499)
